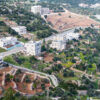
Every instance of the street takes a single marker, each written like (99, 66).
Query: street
(13, 51)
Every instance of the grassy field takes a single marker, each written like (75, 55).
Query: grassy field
(1, 18)
(67, 78)
(2, 50)
(25, 61)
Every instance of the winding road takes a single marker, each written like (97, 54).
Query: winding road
(51, 77)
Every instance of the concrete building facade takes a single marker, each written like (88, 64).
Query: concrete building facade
(33, 48)
(40, 10)
(20, 29)
(59, 45)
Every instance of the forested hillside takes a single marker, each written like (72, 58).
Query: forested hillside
(74, 2)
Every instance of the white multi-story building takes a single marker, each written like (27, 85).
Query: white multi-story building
(36, 9)
(59, 45)
(20, 29)
(71, 36)
(59, 40)
(33, 48)
(4, 42)
(66, 37)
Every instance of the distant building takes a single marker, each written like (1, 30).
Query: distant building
(9, 43)
(83, 5)
(59, 45)
(20, 29)
(33, 48)
(82, 92)
(71, 36)
(45, 11)
(59, 37)
(36, 1)
(7, 40)
(38, 9)
(59, 40)
(97, 5)
(56, 98)
(65, 37)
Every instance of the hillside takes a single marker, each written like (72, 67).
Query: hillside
(74, 2)
(67, 20)
(71, 2)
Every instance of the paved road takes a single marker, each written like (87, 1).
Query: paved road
(10, 52)
(51, 77)
(82, 72)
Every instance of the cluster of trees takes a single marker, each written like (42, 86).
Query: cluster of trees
(21, 60)
(5, 28)
(73, 2)
(44, 33)
(34, 23)
(56, 7)
(73, 6)
(10, 94)
(89, 85)
(68, 73)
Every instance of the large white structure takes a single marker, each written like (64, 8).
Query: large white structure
(59, 45)
(59, 37)
(67, 35)
(33, 48)
(71, 36)
(20, 29)
(59, 40)
(38, 9)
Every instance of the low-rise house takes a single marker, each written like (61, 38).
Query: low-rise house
(33, 48)
(72, 35)
(9, 43)
(20, 29)
(59, 37)
(59, 45)
(82, 92)
(45, 11)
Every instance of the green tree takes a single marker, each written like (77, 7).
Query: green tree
(9, 94)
